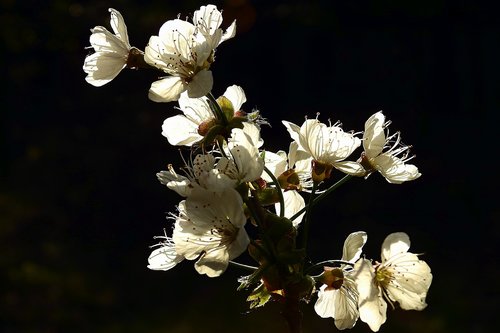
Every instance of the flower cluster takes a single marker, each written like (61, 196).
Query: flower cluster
(238, 198)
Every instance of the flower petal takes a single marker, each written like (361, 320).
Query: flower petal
(118, 26)
(167, 89)
(353, 246)
(201, 84)
(394, 244)
(101, 67)
(372, 307)
(164, 258)
(180, 131)
(374, 136)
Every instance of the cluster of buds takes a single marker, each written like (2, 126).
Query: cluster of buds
(239, 198)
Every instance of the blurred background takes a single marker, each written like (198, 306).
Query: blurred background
(80, 202)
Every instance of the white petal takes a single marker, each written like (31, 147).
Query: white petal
(212, 263)
(395, 244)
(167, 89)
(275, 163)
(229, 33)
(180, 131)
(372, 307)
(101, 68)
(394, 169)
(208, 16)
(325, 305)
(157, 56)
(164, 258)
(118, 26)
(200, 84)
(104, 41)
(350, 168)
(374, 136)
(179, 184)
(346, 309)
(353, 246)
(294, 202)
(195, 109)
(176, 38)
(236, 95)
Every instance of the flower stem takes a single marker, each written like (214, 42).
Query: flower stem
(278, 187)
(321, 263)
(293, 315)
(246, 267)
(322, 195)
(307, 219)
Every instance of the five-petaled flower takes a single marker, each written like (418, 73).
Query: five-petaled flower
(329, 146)
(185, 51)
(382, 152)
(400, 277)
(210, 229)
(111, 51)
(338, 297)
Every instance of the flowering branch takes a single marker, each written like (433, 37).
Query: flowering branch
(237, 197)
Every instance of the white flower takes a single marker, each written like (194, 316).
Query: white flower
(338, 298)
(243, 161)
(111, 51)
(201, 173)
(164, 257)
(400, 277)
(185, 51)
(328, 145)
(184, 130)
(387, 162)
(293, 171)
(210, 229)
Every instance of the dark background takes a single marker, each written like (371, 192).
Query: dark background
(79, 199)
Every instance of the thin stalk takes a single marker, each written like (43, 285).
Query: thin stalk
(245, 267)
(307, 219)
(280, 193)
(322, 195)
(321, 263)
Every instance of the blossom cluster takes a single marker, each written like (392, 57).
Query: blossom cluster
(238, 198)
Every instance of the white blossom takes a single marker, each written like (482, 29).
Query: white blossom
(111, 51)
(243, 161)
(339, 298)
(385, 153)
(210, 229)
(185, 129)
(326, 144)
(185, 51)
(400, 277)
(293, 171)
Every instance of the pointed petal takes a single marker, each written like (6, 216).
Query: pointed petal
(229, 33)
(374, 136)
(118, 26)
(353, 246)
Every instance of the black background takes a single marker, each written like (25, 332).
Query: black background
(79, 199)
